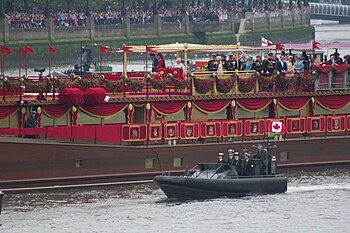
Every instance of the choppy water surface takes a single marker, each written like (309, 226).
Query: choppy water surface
(314, 202)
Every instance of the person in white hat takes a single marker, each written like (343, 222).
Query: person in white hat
(221, 158)
(179, 64)
(230, 160)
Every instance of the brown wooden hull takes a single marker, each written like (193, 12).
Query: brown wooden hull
(34, 163)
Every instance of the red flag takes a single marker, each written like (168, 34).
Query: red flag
(52, 49)
(127, 49)
(315, 45)
(279, 46)
(150, 49)
(28, 50)
(104, 49)
(22, 50)
(5, 49)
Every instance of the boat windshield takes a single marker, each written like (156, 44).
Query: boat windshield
(213, 170)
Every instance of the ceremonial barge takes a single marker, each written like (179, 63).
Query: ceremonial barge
(123, 127)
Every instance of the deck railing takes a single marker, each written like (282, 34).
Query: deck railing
(185, 132)
(169, 82)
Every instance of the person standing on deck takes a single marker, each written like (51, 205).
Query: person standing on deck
(161, 62)
(221, 158)
(154, 62)
(262, 155)
(31, 123)
(179, 64)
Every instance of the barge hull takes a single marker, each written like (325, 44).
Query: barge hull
(26, 163)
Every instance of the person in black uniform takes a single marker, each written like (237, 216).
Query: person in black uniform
(257, 64)
(31, 123)
(213, 64)
(221, 158)
(237, 163)
(248, 166)
(231, 64)
(230, 159)
(154, 62)
(269, 64)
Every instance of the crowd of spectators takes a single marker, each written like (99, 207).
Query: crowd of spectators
(198, 13)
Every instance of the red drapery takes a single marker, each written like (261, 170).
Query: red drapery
(55, 111)
(253, 104)
(103, 110)
(71, 96)
(93, 96)
(209, 106)
(293, 103)
(333, 102)
(166, 108)
(7, 111)
(108, 133)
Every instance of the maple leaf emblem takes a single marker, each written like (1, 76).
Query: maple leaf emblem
(276, 126)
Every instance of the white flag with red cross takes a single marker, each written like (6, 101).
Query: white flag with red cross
(265, 42)
(276, 127)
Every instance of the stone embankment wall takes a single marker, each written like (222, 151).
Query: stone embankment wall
(252, 24)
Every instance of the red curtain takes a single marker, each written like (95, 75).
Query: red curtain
(7, 111)
(108, 133)
(333, 102)
(71, 96)
(83, 132)
(93, 96)
(253, 104)
(209, 106)
(55, 111)
(293, 103)
(103, 110)
(166, 108)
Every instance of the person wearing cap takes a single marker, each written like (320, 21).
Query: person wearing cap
(230, 159)
(221, 158)
(31, 123)
(154, 62)
(237, 163)
(161, 62)
(248, 166)
(269, 64)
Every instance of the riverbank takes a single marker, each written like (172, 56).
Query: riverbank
(68, 52)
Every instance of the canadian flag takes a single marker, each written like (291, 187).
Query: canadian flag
(265, 42)
(276, 127)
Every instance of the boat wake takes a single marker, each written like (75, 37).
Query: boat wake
(315, 188)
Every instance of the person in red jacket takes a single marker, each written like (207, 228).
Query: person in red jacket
(161, 62)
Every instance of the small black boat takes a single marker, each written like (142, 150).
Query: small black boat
(219, 180)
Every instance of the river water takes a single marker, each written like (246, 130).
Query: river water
(316, 201)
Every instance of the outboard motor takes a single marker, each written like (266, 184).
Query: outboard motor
(1, 196)
(273, 164)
